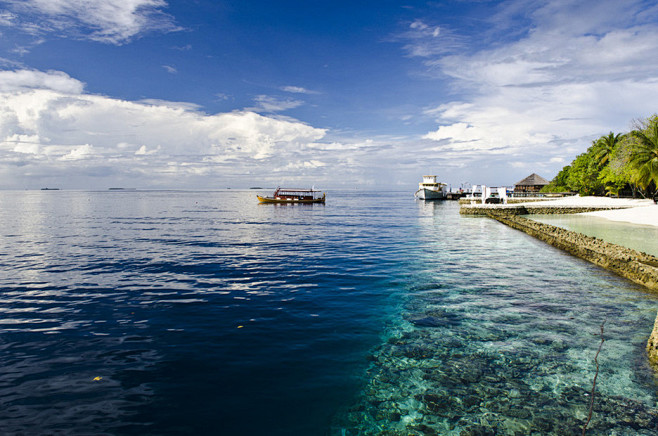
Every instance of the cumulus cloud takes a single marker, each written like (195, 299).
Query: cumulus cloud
(80, 152)
(580, 70)
(107, 21)
(53, 133)
(14, 81)
(461, 132)
(49, 124)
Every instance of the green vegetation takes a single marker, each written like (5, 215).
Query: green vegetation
(615, 164)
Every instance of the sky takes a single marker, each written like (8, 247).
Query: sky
(359, 94)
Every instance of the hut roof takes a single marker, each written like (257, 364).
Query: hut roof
(532, 180)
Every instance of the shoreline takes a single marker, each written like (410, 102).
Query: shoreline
(631, 264)
(639, 267)
(627, 262)
(634, 211)
(642, 215)
(626, 210)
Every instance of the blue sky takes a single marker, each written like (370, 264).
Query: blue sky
(369, 94)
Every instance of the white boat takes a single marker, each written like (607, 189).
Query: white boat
(430, 189)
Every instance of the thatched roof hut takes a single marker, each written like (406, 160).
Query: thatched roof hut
(532, 183)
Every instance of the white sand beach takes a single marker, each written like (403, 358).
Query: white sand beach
(646, 215)
(636, 211)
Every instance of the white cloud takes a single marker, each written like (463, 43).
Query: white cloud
(581, 70)
(426, 40)
(52, 133)
(7, 18)
(460, 132)
(427, 30)
(12, 81)
(301, 164)
(170, 69)
(7, 63)
(186, 47)
(272, 104)
(48, 124)
(516, 119)
(184, 105)
(297, 90)
(79, 152)
(107, 21)
(144, 152)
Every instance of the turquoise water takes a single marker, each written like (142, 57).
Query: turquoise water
(638, 237)
(206, 313)
(498, 336)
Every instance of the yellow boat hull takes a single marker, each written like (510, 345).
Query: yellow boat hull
(289, 200)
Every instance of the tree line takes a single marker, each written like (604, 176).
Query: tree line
(623, 164)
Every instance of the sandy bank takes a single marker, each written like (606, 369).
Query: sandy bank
(644, 212)
(645, 215)
(594, 202)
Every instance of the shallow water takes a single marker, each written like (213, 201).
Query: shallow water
(638, 237)
(499, 336)
(206, 313)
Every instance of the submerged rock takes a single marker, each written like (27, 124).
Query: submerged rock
(652, 344)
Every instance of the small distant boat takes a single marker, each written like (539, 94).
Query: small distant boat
(50, 189)
(430, 189)
(289, 195)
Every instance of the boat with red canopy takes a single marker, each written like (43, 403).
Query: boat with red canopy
(291, 195)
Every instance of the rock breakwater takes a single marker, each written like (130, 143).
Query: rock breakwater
(639, 267)
(652, 345)
(529, 209)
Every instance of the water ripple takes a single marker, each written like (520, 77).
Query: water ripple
(166, 313)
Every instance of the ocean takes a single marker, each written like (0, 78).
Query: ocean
(178, 312)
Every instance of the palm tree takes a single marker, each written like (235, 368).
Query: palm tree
(644, 155)
(605, 146)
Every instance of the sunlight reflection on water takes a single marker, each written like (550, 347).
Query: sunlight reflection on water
(156, 312)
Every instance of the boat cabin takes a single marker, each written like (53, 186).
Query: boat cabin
(429, 180)
(296, 194)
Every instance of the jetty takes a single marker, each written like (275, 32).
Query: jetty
(545, 205)
(531, 208)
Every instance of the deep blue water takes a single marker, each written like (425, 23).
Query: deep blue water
(130, 312)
